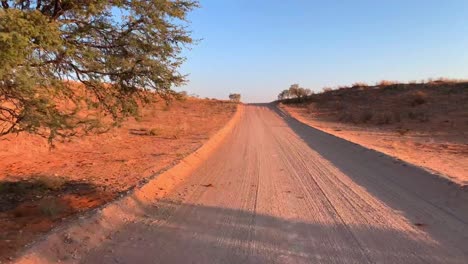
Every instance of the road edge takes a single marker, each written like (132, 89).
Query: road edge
(67, 242)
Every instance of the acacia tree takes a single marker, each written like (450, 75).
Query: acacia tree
(285, 94)
(294, 91)
(121, 52)
(235, 97)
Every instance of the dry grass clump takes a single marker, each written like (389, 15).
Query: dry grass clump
(359, 85)
(421, 116)
(384, 83)
(367, 116)
(418, 98)
(327, 89)
(384, 118)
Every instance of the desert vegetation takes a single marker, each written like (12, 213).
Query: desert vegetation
(40, 186)
(235, 97)
(424, 123)
(387, 102)
(294, 92)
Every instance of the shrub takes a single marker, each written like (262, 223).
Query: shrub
(327, 89)
(359, 84)
(365, 116)
(386, 83)
(383, 118)
(345, 117)
(420, 116)
(418, 98)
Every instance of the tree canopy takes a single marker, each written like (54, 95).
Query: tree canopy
(120, 51)
(294, 91)
(235, 97)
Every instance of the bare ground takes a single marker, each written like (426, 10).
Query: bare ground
(279, 191)
(40, 187)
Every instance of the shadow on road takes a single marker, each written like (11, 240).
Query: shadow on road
(381, 175)
(172, 231)
(188, 233)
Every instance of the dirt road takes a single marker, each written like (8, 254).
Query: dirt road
(278, 191)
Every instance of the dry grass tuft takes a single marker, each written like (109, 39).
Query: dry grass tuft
(384, 83)
(418, 98)
(327, 89)
(359, 85)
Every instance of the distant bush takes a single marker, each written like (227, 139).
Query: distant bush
(235, 97)
(386, 83)
(364, 116)
(383, 118)
(341, 87)
(418, 98)
(345, 117)
(359, 84)
(419, 116)
(327, 89)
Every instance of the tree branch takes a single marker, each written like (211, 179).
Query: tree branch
(5, 4)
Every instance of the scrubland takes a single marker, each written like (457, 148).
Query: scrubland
(425, 124)
(41, 186)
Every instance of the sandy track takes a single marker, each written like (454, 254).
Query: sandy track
(278, 191)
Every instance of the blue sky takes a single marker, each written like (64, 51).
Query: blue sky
(258, 48)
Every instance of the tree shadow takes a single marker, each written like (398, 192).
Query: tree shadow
(32, 188)
(174, 232)
(37, 203)
(169, 231)
(427, 199)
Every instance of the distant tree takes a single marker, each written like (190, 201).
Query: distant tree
(285, 94)
(122, 52)
(294, 91)
(308, 92)
(235, 97)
